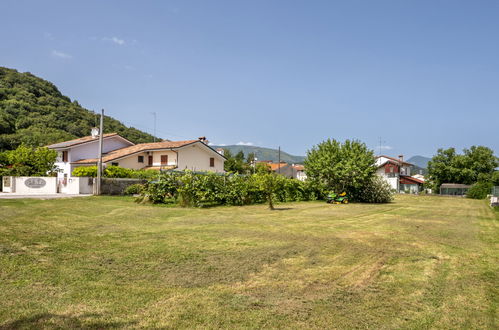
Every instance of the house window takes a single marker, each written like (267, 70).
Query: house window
(212, 162)
(164, 159)
(140, 159)
(115, 164)
(65, 156)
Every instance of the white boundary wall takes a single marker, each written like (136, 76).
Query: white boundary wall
(77, 185)
(31, 185)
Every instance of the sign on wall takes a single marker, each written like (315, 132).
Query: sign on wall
(35, 183)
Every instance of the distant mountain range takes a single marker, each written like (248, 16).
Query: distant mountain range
(419, 161)
(262, 153)
(420, 164)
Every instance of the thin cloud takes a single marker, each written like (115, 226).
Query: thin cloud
(385, 147)
(58, 54)
(48, 36)
(115, 40)
(241, 143)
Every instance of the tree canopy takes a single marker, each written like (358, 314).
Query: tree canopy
(27, 161)
(35, 113)
(237, 163)
(337, 166)
(477, 163)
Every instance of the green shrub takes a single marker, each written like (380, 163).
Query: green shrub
(196, 189)
(134, 189)
(116, 172)
(375, 191)
(480, 190)
(90, 171)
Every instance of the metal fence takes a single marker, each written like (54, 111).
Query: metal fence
(495, 191)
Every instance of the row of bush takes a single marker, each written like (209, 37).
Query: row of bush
(200, 189)
(115, 172)
(195, 189)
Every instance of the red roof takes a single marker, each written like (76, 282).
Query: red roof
(410, 180)
(395, 160)
(276, 166)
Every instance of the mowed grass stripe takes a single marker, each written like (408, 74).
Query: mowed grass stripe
(420, 262)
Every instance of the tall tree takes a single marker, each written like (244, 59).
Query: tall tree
(475, 164)
(340, 166)
(237, 163)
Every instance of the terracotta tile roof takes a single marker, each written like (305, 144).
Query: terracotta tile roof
(396, 160)
(70, 143)
(119, 153)
(409, 180)
(276, 166)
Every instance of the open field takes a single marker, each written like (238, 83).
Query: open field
(420, 262)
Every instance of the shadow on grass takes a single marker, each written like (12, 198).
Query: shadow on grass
(281, 208)
(48, 320)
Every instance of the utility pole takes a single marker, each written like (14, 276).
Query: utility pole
(279, 166)
(99, 162)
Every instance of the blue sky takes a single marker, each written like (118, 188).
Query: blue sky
(419, 74)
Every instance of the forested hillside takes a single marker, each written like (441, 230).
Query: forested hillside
(34, 112)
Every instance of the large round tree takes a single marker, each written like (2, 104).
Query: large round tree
(341, 167)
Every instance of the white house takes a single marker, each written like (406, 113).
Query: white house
(397, 173)
(194, 155)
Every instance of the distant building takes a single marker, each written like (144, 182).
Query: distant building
(454, 189)
(295, 171)
(397, 173)
(194, 155)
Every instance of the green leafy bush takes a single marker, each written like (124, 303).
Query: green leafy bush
(194, 189)
(28, 161)
(89, 171)
(377, 190)
(116, 172)
(134, 189)
(480, 190)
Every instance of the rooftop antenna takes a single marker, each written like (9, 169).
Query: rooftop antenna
(154, 115)
(380, 145)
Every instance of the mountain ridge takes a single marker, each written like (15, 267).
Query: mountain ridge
(263, 153)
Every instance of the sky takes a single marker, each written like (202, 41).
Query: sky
(409, 76)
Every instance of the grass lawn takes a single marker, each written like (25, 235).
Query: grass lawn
(420, 262)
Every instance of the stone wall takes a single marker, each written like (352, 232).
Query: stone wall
(117, 186)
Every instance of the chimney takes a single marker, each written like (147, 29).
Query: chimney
(220, 151)
(203, 139)
(94, 132)
(401, 158)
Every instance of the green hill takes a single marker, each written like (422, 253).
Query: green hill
(420, 161)
(264, 153)
(34, 112)
(420, 164)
